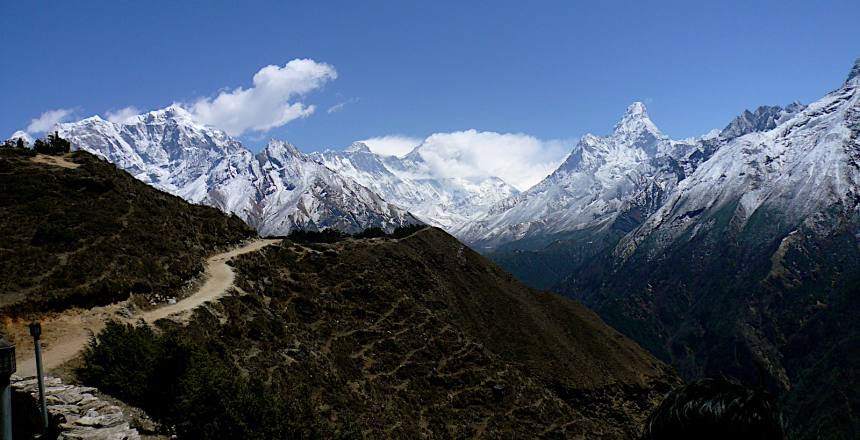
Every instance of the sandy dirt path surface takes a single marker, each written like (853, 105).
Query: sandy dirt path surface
(66, 334)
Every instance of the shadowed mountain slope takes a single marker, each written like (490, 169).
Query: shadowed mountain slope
(424, 337)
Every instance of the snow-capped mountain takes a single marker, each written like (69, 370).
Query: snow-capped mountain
(589, 188)
(750, 265)
(608, 181)
(276, 191)
(407, 181)
(23, 135)
(806, 160)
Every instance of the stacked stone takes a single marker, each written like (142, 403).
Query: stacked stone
(77, 412)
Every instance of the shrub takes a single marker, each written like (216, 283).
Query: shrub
(405, 231)
(191, 387)
(324, 236)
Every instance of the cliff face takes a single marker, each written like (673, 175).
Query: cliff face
(423, 337)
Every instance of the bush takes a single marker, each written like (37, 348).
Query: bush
(405, 231)
(190, 387)
(324, 236)
(54, 145)
(374, 232)
(334, 235)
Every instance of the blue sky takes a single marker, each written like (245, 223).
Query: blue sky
(553, 70)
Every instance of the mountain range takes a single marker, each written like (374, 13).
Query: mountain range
(407, 181)
(277, 190)
(321, 335)
(734, 252)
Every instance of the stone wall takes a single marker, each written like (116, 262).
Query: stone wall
(76, 412)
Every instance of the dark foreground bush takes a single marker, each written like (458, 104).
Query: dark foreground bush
(334, 236)
(324, 236)
(190, 388)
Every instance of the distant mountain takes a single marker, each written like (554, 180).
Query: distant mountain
(276, 191)
(445, 202)
(586, 192)
(23, 135)
(751, 264)
(605, 188)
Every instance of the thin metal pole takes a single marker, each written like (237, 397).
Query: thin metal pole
(41, 374)
(6, 406)
(36, 332)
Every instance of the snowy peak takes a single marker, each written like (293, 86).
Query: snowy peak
(407, 182)
(800, 162)
(174, 113)
(637, 131)
(357, 147)
(854, 74)
(21, 134)
(635, 139)
(281, 151)
(276, 191)
(635, 121)
(764, 118)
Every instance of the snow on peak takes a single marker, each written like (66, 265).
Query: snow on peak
(636, 120)
(854, 74)
(282, 149)
(21, 134)
(276, 191)
(357, 147)
(636, 109)
(765, 117)
(442, 201)
(173, 112)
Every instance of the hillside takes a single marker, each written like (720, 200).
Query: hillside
(750, 268)
(77, 231)
(416, 337)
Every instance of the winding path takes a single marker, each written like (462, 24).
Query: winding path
(66, 335)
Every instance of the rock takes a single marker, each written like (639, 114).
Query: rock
(80, 414)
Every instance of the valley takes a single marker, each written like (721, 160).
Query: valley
(233, 289)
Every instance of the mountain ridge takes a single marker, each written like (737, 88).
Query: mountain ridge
(277, 190)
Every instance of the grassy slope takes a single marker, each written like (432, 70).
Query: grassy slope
(424, 336)
(90, 235)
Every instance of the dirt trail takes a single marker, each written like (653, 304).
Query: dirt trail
(65, 335)
(57, 161)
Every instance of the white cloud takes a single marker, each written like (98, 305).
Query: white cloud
(518, 159)
(339, 106)
(48, 119)
(122, 114)
(392, 145)
(267, 104)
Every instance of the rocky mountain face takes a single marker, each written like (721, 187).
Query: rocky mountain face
(276, 191)
(445, 202)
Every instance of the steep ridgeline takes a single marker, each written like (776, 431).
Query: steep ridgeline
(751, 267)
(78, 232)
(445, 202)
(276, 191)
(605, 187)
(423, 337)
